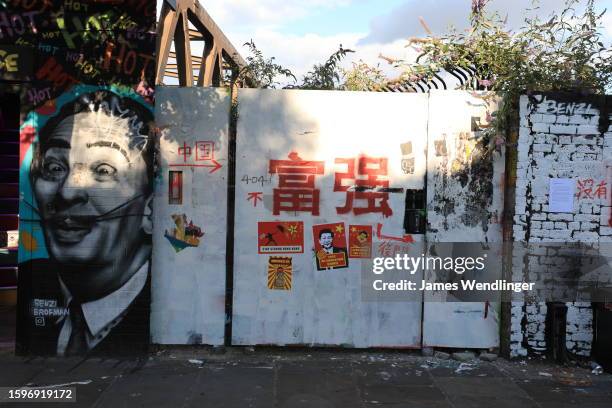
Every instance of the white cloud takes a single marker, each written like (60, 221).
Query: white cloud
(246, 15)
(607, 23)
(403, 21)
(264, 13)
(299, 53)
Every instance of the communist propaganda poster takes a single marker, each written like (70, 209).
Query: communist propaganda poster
(360, 241)
(280, 273)
(280, 237)
(330, 246)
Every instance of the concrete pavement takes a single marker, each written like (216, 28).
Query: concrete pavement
(275, 378)
(7, 326)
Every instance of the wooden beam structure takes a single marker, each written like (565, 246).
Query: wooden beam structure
(219, 55)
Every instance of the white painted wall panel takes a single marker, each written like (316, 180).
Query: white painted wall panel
(465, 204)
(322, 307)
(188, 287)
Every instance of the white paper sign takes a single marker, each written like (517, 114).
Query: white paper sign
(561, 195)
(13, 239)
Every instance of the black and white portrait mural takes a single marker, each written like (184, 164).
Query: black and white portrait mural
(86, 221)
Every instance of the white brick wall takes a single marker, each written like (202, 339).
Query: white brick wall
(557, 139)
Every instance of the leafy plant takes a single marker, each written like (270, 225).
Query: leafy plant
(563, 53)
(261, 72)
(362, 77)
(327, 75)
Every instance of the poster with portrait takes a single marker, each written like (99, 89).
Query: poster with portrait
(330, 246)
(280, 273)
(279, 237)
(360, 241)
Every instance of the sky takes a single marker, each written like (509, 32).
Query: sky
(300, 33)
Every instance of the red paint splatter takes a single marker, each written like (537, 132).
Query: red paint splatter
(26, 138)
(48, 108)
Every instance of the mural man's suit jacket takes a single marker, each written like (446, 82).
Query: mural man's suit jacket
(38, 280)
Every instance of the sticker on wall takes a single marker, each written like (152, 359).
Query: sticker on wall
(280, 237)
(407, 158)
(280, 273)
(408, 166)
(330, 246)
(185, 234)
(360, 241)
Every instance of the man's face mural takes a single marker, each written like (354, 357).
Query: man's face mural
(91, 184)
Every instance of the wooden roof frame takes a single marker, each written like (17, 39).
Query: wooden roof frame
(219, 53)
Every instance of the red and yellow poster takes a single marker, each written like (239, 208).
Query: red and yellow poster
(360, 241)
(280, 273)
(280, 237)
(330, 246)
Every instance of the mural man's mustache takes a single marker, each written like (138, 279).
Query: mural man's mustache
(70, 220)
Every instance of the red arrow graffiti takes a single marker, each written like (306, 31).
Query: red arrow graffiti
(406, 238)
(215, 166)
(255, 197)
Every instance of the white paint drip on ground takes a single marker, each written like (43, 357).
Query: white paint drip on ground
(84, 382)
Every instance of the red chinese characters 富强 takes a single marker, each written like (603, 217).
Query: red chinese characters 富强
(296, 190)
(370, 184)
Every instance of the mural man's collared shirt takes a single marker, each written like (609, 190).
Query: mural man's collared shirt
(103, 314)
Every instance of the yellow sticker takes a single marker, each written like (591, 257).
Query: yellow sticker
(280, 273)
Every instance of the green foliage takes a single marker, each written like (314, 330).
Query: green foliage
(326, 76)
(265, 73)
(261, 72)
(362, 77)
(563, 53)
